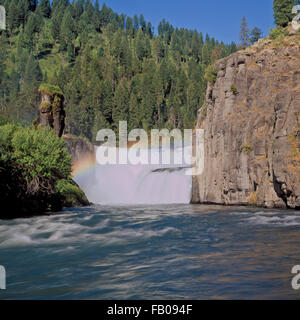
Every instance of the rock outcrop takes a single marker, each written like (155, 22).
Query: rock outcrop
(51, 112)
(251, 119)
(82, 152)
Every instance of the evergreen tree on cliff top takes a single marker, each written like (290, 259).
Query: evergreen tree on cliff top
(283, 12)
(244, 33)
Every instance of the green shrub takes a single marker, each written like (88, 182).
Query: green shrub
(34, 165)
(278, 33)
(72, 195)
(234, 89)
(247, 148)
(211, 73)
(6, 134)
(41, 154)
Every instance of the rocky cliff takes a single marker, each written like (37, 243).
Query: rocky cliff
(251, 119)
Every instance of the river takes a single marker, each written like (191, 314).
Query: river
(152, 252)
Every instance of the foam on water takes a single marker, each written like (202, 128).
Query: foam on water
(61, 230)
(274, 219)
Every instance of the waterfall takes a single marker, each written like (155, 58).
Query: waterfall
(113, 184)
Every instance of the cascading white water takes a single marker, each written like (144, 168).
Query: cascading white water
(137, 184)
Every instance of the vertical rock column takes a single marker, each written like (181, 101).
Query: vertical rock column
(51, 112)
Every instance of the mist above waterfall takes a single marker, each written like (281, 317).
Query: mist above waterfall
(139, 183)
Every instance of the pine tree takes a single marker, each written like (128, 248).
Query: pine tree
(97, 7)
(105, 15)
(136, 23)
(121, 104)
(55, 25)
(32, 4)
(244, 33)
(255, 35)
(67, 31)
(45, 8)
(89, 10)
(148, 108)
(143, 48)
(116, 45)
(135, 119)
(70, 52)
(23, 11)
(283, 12)
(142, 23)
(129, 27)
(99, 123)
(195, 46)
(159, 97)
(33, 73)
(149, 30)
(205, 55)
(3, 57)
(159, 49)
(33, 29)
(106, 100)
(12, 19)
(96, 17)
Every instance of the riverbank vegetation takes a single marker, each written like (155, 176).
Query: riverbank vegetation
(35, 172)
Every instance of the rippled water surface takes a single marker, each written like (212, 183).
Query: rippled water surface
(165, 252)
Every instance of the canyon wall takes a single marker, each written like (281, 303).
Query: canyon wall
(251, 119)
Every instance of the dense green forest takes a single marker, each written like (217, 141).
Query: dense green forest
(110, 67)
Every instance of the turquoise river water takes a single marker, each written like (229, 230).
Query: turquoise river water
(152, 252)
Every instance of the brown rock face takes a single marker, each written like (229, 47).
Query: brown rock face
(251, 120)
(51, 112)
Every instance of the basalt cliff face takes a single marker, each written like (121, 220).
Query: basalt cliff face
(251, 120)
